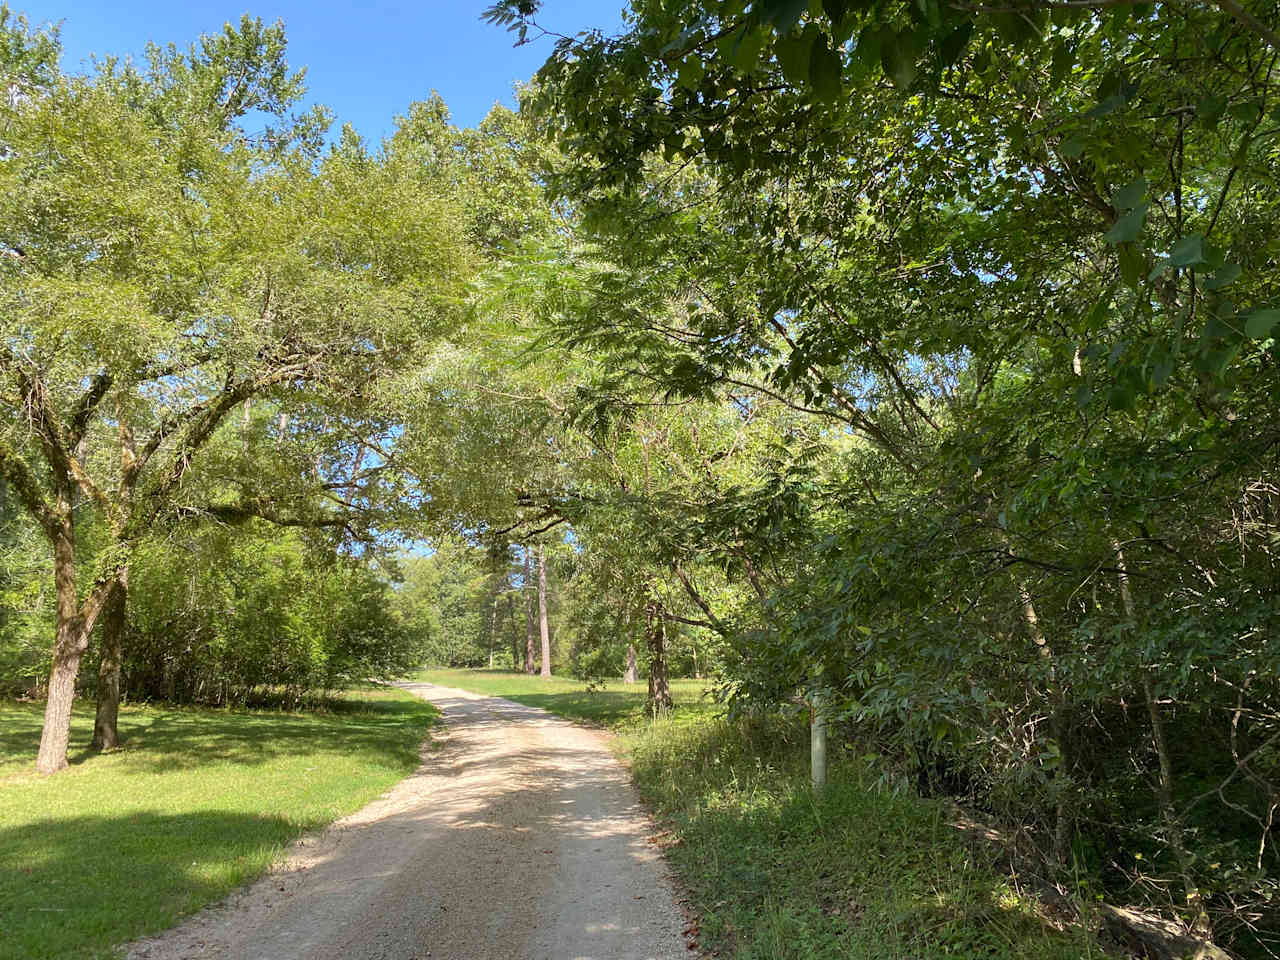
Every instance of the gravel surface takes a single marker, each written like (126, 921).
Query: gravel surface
(520, 839)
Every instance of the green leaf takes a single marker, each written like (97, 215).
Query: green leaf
(1161, 369)
(745, 46)
(1247, 113)
(898, 57)
(1108, 106)
(1219, 360)
(1128, 227)
(691, 72)
(1210, 109)
(793, 57)
(952, 45)
(784, 14)
(1064, 58)
(1122, 396)
(841, 31)
(1224, 275)
(835, 10)
(1130, 195)
(868, 49)
(1071, 148)
(1100, 309)
(825, 67)
(1259, 324)
(1188, 251)
(1132, 263)
(931, 11)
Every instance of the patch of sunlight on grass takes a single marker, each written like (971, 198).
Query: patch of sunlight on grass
(860, 871)
(196, 803)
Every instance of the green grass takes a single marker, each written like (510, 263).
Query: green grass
(196, 803)
(774, 872)
(617, 705)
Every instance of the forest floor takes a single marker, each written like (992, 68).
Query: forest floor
(519, 838)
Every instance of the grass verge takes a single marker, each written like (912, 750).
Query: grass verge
(196, 803)
(774, 872)
(617, 705)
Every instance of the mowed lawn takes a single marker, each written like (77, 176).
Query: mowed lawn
(196, 803)
(615, 705)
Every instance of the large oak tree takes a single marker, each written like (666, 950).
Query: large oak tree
(165, 263)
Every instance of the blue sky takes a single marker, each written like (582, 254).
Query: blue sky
(366, 63)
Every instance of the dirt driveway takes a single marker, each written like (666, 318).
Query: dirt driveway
(521, 838)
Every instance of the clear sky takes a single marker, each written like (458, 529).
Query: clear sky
(366, 62)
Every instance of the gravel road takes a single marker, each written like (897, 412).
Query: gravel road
(519, 839)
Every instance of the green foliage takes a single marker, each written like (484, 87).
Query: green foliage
(227, 616)
(26, 603)
(863, 870)
(163, 268)
(921, 354)
(28, 56)
(463, 606)
(445, 601)
(1010, 275)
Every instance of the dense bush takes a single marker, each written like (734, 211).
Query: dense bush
(221, 616)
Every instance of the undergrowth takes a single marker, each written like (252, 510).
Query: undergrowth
(859, 871)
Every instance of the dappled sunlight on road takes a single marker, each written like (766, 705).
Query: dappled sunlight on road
(520, 837)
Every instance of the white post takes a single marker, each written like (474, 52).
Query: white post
(817, 742)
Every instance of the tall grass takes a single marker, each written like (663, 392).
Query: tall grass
(859, 871)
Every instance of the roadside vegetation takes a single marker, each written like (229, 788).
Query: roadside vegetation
(866, 869)
(197, 803)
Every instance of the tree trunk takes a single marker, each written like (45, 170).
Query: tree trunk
(529, 656)
(510, 627)
(69, 645)
(493, 626)
(542, 613)
(1164, 785)
(106, 733)
(632, 673)
(1062, 826)
(659, 687)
